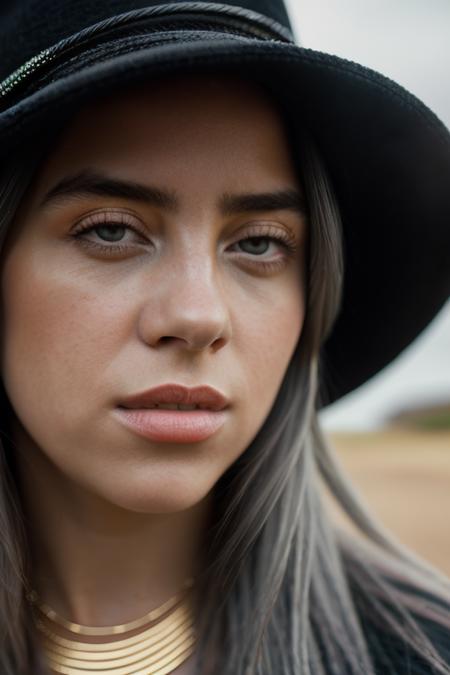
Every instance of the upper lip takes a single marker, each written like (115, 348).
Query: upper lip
(204, 396)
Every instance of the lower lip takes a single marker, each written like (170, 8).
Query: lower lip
(175, 426)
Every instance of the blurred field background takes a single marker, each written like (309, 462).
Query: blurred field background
(403, 474)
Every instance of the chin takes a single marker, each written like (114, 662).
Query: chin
(164, 496)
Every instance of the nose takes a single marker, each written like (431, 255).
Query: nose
(186, 306)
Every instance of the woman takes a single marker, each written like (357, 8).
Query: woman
(182, 189)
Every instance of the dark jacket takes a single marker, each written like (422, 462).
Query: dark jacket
(393, 657)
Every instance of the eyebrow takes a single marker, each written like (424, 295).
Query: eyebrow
(88, 182)
(289, 199)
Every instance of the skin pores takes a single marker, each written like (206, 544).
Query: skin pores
(186, 300)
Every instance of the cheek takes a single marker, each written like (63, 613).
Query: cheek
(57, 337)
(273, 333)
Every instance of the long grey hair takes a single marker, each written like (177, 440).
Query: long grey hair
(285, 590)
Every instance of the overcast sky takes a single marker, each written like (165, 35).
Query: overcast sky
(409, 41)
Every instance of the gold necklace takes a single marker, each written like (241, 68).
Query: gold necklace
(156, 650)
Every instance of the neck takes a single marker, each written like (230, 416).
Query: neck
(96, 563)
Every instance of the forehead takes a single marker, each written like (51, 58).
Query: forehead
(176, 105)
(222, 126)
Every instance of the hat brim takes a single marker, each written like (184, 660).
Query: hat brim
(387, 154)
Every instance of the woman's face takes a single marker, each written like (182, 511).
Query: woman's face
(176, 294)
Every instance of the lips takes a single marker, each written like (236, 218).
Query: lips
(139, 414)
(203, 396)
(173, 426)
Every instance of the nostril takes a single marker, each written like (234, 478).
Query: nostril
(168, 338)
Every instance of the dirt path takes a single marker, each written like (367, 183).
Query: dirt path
(405, 477)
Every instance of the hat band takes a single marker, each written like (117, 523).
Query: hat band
(184, 15)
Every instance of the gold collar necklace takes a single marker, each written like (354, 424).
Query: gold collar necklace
(157, 649)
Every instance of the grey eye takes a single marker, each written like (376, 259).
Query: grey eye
(254, 244)
(117, 232)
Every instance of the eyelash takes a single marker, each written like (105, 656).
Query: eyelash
(104, 220)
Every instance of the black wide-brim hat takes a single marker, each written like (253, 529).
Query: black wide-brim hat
(387, 154)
